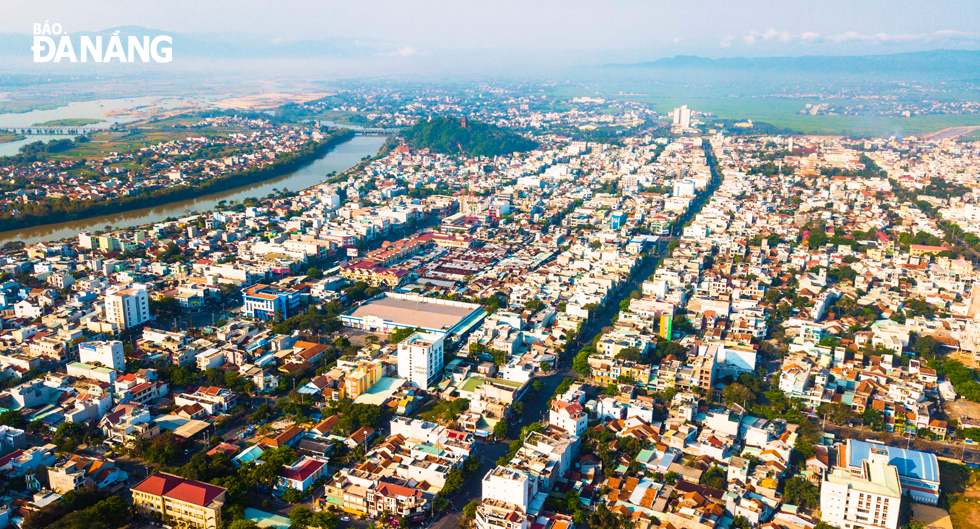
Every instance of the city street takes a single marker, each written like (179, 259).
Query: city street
(944, 449)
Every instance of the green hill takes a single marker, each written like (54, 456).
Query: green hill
(449, 135)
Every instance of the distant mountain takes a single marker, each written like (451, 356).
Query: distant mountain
(450, 135)
(955, 62)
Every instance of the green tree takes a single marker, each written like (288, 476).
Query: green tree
(738, 394)
(817, 238)
(13, 419)
(500, 429)
(499, 357)
(534, 305)
(873, 419)
(926, 346)
(800, 492)
(300, 517)
(454, 480)
(715, 478)
(580, 364)
(630, 354)
(243, 524)
(292, 495)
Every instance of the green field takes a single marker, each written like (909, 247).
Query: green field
(6, 137)
(970, 136)
(68, 122)
(785, 113)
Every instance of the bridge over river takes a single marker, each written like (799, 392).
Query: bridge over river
(46, 131)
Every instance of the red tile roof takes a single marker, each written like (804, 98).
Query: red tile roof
(302, 472)
(180, 489)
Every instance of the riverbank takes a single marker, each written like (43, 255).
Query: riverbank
(6, 137)
(385, 149)
(337, 160)
(64, 210)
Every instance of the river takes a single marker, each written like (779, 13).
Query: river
(96, 109)
(340, 158)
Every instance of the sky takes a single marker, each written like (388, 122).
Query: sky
(570, 32)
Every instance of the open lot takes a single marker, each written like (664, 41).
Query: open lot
(963, 408)
(931, 517)
(268, 100)
(961, 491)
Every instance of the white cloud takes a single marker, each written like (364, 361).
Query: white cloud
(404, 51)
(882, 38)
(775, 35)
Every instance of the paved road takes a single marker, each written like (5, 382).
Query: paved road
(536, 405)
(952, 450)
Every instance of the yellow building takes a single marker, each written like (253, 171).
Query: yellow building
(108, 243)
(361, 379)
(181, 502)
(918, 250)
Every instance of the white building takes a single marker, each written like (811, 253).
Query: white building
(682, 117)
(851, 502)
(570, 417)
(496, 514)
(509, 485)
(109, 354)
(127, 306)
(420, 358)
(685, 188)
(26, 309)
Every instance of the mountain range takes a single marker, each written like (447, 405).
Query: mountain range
(952, 62)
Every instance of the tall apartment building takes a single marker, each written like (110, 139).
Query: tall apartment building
(870, 502)
(109, 354)
(420, 358)
(511, 486)
(187, 502)
(682, 117)
(128, 306)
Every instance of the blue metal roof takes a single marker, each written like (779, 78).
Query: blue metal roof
(910, 463)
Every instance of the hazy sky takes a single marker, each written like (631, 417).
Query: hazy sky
(613, 30)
